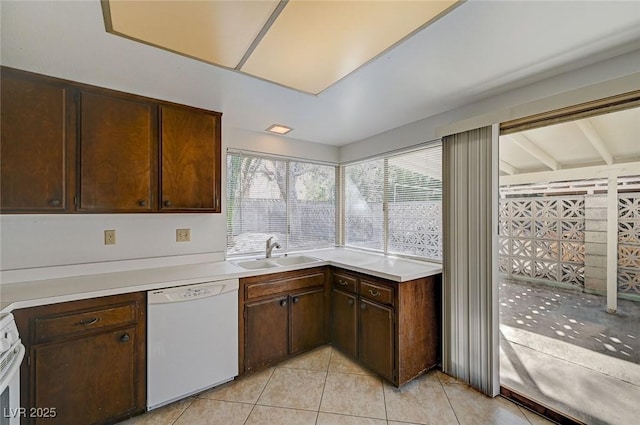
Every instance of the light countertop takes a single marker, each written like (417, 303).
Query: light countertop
(49, 291)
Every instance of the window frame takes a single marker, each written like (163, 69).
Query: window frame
(287, 161)
(385, 201)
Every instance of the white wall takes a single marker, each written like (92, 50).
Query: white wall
(238, 138)
(620, 74)
(49, 240)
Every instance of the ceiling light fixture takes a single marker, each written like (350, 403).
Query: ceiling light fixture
(279, 129)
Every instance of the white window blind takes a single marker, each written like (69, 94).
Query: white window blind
(393, 204)
(292, 201)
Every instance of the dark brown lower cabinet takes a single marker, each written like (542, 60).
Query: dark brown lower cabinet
(282, 314)
(307, 320)
(266, 325)
(390, 327)
(344, 324)
(376, 338)
(85, 360)
(65, 370)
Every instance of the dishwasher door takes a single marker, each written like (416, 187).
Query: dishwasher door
(192, 339)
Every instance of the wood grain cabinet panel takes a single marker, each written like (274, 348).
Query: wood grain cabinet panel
(33, 148)
(94, 375)
(190, 158)
(266, 332)
(116, 151)
(376, 342)
(88, 380)
(307, 320)
(344, 322)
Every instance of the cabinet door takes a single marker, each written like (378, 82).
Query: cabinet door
(33, 148)
(88, 380)
(190, 158)
(116, 151)
(266, 332)
(344, 324)
(307, 322)
(376, 338)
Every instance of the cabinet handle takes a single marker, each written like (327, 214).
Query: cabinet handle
(88, 322)
(374, 293)
(125, 338)
(167, 203)
(295, 300)
(283, 303)
(343, 283)
(363, 306)
(350, 301)
(54, 202)
(142, 203)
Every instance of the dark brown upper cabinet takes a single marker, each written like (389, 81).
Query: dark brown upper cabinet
(33, 144)
(71, 147)
(116, 149)
(190, 159)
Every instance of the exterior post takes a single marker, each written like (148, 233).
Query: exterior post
(612, 244)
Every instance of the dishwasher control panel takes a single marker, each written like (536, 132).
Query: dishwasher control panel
(192, 292)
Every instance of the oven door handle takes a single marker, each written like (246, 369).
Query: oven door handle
(13, 369)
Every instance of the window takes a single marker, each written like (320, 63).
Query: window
(293, 201)
(393, 204)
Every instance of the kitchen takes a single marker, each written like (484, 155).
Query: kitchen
(36, 37)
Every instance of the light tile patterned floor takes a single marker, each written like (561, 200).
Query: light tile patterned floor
(323, 387)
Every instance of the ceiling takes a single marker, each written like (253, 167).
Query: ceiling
(300, 44)
(477, 50)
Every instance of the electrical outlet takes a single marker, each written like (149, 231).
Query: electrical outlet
(183, 235)
(109, 237)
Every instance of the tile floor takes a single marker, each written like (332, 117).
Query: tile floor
(323, 387)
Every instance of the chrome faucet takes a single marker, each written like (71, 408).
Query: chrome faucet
(270, 246)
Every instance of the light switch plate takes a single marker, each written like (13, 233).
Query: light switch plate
(183, 235)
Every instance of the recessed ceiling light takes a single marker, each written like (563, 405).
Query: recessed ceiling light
(279, 129)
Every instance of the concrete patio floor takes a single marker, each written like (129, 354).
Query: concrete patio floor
(561, 349)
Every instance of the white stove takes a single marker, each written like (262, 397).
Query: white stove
(11, 355)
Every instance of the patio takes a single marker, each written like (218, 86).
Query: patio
(560, 348)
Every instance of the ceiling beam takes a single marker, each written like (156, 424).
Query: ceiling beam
(594, 138)
(508, 168)
(527, 145)
(580, 173)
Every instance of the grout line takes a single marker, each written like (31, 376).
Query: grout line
(384, 402)
(326, 376)
(259, 395)
(181, 413)
(449, 400)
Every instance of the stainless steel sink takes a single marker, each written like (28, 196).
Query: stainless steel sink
(264, 263)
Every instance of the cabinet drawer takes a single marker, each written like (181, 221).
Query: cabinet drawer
(46, 328)
(376, 292)
(263, 289)
(345, 282)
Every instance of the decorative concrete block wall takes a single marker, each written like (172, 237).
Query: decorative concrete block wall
(595, 243)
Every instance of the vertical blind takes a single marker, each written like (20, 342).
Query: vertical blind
(293, 201)
(470, 295)
(393, 203)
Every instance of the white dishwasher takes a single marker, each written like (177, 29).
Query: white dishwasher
(192, 339)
